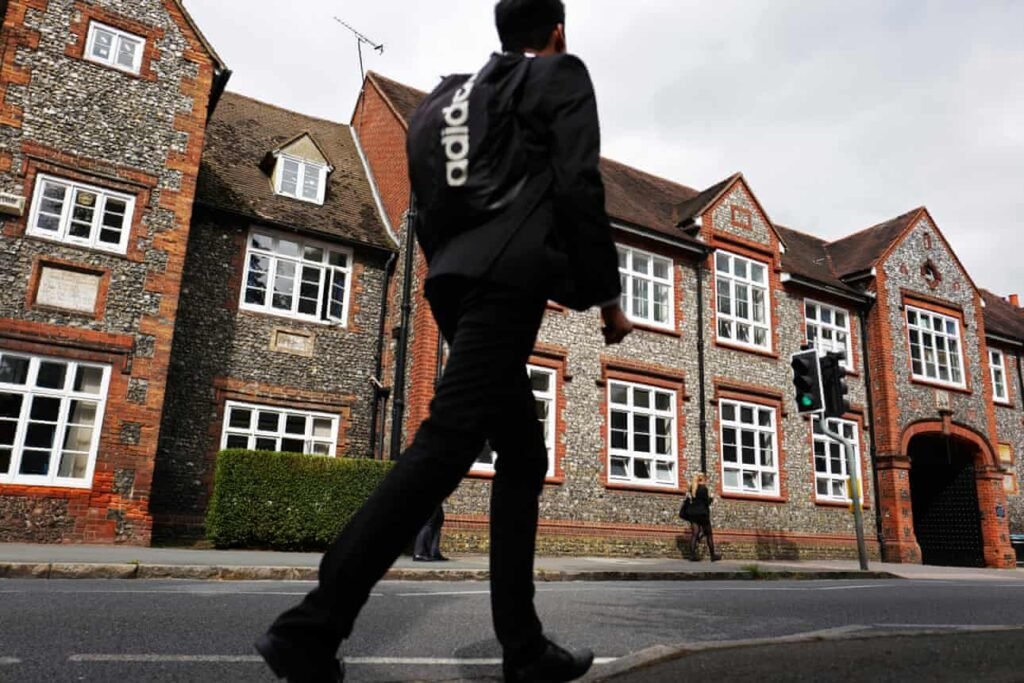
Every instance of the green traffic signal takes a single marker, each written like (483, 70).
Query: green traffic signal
(806, 401)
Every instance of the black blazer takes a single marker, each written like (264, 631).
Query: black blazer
(555, 241)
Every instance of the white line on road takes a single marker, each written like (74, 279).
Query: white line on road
(9, 660)
(219, 659)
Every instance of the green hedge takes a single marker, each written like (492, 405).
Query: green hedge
(285, 500)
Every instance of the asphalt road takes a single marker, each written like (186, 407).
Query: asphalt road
(201, 631)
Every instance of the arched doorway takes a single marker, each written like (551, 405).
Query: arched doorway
(944, 497)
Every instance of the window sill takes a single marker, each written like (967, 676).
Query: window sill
(838, 504)
(292, 319)
(482, 475)
(753, 497)
(114, 67)
(937, 384)
(643, 488)
(40, 488)
(1003, 404)
(725, 344)
(45, 237)
(656, 329)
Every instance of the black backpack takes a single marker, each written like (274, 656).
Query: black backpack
(467, 157)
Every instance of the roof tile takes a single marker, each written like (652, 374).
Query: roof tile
(241, 133)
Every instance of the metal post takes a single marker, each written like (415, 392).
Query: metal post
(851, 467)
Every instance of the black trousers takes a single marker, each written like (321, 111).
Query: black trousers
(484, 394)
(428, 540)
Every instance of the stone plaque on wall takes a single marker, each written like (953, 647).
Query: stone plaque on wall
(68, 289)
(287, 341)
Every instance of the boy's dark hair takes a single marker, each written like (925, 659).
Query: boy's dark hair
(527, 24)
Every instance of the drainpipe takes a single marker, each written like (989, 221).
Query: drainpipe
(871, 414)
(398, 402)
(378, 388)
(1020, 377)
(701, 368)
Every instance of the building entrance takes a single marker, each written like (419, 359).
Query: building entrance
(944, 493)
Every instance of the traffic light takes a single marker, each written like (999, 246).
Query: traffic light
(835, 390)
(807, 380)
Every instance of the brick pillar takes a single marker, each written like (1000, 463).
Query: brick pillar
(899, 544)
(995, 528)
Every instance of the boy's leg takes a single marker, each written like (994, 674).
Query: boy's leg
(493, 335)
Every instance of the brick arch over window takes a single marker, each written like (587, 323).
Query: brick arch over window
(984, 453)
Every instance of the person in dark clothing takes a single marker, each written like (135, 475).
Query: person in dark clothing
(698, 513)
(487, 289)
(428, 541)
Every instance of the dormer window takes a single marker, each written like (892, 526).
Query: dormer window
(114, 48)
(300, 179)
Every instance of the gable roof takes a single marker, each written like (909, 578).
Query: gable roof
(218, 63)
(1002, 317)
(696, 205)
(862, 250)
(632, 196)
(239, 135)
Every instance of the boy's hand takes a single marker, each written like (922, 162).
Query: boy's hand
(616, 324)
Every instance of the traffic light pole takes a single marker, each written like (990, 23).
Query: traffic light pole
(851, 467)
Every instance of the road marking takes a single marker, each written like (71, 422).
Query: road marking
(367, 661)
(6, 661)
(439, 593)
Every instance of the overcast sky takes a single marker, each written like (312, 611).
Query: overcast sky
(840, 114)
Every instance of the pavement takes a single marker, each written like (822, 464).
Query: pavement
(19, 560)
(668, 662)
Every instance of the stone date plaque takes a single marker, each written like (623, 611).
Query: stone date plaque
(70, 290)
(296, 343)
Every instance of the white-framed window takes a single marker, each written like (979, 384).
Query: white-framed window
(830, 471)
(51, 413)
(997, 365)
(642, 434)
(296, 277)
(935, 347)
(266, 428)
(647, 287)
(828, 329)
(75, 213)
(750, 462)
(545, 387)
(114, 48)
(301, 179)
(744, 315)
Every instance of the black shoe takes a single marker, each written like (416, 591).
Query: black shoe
(422, 558)
(297, 665)
(553, 665)
(439, 558)
(716, 557)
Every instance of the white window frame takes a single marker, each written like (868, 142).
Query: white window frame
(305, 167)
(757, 467)
(632, 281)
(487, 458)
(629, 455)
(253, 433)
(66, 394)
(66, 218)
(815, 325)
(935, 348)
(848, 429)
(733, 283)
(299, 262)
(997, 368)
(119, 37)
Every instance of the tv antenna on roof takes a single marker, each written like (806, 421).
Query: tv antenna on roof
(360, 40)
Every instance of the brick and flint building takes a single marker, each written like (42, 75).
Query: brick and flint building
(280, 334)
(721, 296)
(103, 112)
(184, 270)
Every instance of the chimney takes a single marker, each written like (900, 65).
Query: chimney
(1015, 300)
